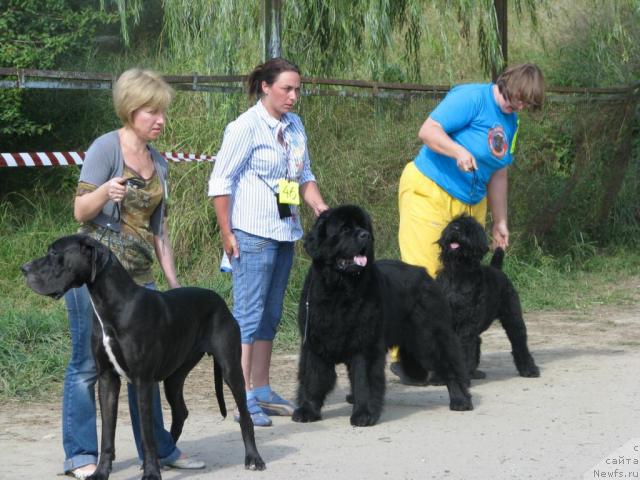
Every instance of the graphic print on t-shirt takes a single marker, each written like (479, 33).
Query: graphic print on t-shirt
(498, 144)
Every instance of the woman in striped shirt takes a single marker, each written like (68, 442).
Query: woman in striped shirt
(261, 172)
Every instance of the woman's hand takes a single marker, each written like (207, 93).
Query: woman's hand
(88, 205)
(500, 234)
(230, 245)
(465, 161)
(311, 195)
(433, 136)
(116, 189)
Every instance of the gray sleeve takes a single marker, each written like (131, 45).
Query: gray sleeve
(99, 163)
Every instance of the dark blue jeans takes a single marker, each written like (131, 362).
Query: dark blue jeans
(79, 434)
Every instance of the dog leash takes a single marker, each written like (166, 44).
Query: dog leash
(306, 307)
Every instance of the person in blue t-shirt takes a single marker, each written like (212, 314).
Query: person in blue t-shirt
(469, 141)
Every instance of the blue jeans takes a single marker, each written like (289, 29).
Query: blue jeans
(260, 277)
(79, 433)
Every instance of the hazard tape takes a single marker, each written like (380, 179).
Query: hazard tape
(55, 159)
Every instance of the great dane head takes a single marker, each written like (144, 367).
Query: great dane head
(70, 262)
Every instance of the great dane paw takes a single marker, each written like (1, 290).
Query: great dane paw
(254, 462)
(304, 415)
(478, 375)
(349, 398)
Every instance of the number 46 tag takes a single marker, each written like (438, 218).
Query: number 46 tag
(289, 192)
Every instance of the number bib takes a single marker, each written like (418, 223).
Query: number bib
(289, 192)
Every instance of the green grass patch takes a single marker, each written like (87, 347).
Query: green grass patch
(34, 337)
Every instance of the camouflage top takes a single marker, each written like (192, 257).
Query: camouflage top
(134, 244)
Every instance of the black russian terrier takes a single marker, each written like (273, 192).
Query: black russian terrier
(478, 294)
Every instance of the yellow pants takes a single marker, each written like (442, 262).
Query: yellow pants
(425, 209)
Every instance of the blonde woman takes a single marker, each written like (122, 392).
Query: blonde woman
(120, 201)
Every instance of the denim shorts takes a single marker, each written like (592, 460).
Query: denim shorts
(260, 277)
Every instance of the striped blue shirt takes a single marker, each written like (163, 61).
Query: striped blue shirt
(250, 163)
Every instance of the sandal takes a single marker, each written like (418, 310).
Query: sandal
(258, 417)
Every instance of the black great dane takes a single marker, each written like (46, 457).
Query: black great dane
(146, 337)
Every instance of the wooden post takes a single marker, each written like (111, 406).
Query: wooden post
(271, 28)
(502, 17)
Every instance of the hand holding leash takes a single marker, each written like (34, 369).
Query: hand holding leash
(116, 189)
(465, 161)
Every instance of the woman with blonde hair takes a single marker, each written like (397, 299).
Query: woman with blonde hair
(120, 201)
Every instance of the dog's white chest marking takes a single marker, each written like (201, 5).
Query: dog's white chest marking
(106, 341)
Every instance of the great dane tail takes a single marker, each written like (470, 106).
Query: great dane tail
(217, 382)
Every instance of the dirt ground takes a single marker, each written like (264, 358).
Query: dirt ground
(585, 405)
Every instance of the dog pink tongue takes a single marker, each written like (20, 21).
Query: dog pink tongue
(360, 260)
(454, 245)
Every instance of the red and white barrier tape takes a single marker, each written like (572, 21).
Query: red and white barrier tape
(53, 159)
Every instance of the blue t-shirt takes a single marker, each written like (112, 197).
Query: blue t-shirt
(471, 117)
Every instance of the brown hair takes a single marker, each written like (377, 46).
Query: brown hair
(268, 72)
(137, 88)
(523, 82)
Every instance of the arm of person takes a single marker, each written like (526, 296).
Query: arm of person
(221, 204)
(434, 136)
(236, 150)
(88, 205)
(311, 195)
(497, 198)
(164, 253)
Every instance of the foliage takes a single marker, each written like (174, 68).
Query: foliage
(589, 43)
(40, 34)
(34, 344)
(374, 39)
(358, 145)
(609, 40)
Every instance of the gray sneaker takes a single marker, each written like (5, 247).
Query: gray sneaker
(275, 405)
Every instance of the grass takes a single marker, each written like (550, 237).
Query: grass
(34, 338)
(358, 149)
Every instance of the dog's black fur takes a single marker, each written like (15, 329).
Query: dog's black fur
(352, 309)
(152, 336)
(478, 294)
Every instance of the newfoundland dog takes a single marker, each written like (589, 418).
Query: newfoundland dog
(478, 294)
(353, 308)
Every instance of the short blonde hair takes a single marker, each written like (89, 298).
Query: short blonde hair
(137, 88)
(523, 82)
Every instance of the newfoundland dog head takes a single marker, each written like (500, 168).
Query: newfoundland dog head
(342, 240)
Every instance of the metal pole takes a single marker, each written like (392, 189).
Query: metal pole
(271, 29)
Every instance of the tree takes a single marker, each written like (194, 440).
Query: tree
(41, 34)
(375, 39)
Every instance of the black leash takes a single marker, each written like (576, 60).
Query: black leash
(306, 306)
